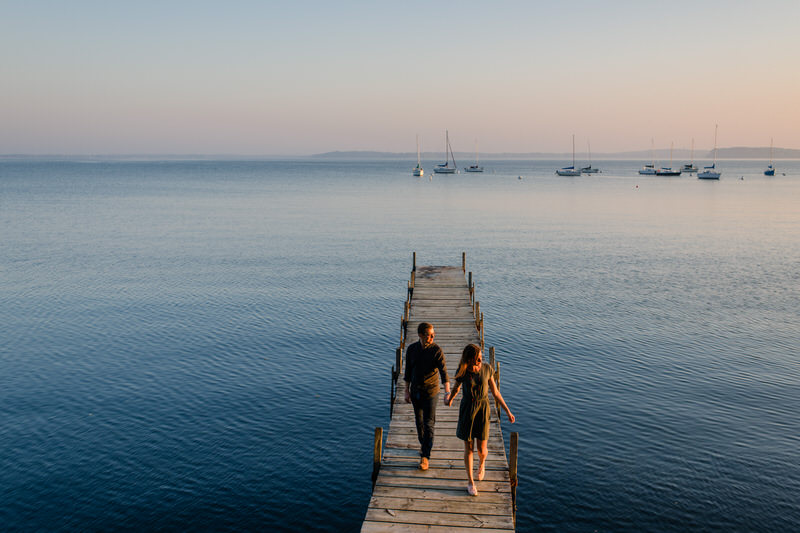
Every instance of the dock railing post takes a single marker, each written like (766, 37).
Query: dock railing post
(392, 387)
(463, 261)
(398, 359)
(376, 455)
(414, 262)
(512, 473)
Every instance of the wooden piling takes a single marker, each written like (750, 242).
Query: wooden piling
(376, 455)
(512, 472)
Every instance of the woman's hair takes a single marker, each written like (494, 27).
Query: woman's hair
(468, 358)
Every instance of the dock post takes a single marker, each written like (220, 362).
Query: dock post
(398, 358)
(491, 356)
(477, 314)
(414, 262)
(512, 473)
(376, 455)
(463, 261)
(392, 386)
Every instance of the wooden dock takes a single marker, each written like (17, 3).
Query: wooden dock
(405, 498)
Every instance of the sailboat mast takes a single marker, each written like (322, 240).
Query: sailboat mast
(652, 152)
(770, 151)
(573, 150)
(716, 126)
(692, 163)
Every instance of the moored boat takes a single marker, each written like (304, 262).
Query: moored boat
(418, 171)
(770, 169)
(571, 170)
(711, 172)
(476, 167)
(446, 168)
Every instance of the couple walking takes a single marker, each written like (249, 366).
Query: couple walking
(424, 360)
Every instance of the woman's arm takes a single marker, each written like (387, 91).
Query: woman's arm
(499, 398)
(453, 393)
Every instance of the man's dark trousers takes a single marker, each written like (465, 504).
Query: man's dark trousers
(425, 417)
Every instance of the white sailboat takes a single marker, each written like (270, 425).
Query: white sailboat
(770, 169)
(418, 171)
(570, 171)
(650, 170)
(445, 168)
(590, 169)
(689, 167)
(710, 173)
(476, 167)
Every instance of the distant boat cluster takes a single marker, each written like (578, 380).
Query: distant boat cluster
(709, 172)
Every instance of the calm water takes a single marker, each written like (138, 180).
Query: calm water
(207, 345)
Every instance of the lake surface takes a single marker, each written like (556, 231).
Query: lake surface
(206, 345)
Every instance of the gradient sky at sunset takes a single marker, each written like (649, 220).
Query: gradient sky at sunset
(98, 77)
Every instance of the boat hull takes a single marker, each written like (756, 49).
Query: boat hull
(568, 172)
(708, 175)
(474, 169)
(668, 172)
(444, 170)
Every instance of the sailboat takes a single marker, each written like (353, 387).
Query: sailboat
(476, 167)
(689, 167)
(650, 170)
(445, 168)
(668, 171)
(418, 169)
(770, 169)
(570, 171)
(590, 169)
(710, 173)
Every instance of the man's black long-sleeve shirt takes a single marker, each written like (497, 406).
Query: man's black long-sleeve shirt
(422, 366)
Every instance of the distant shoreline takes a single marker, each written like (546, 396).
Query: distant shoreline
(740, 153)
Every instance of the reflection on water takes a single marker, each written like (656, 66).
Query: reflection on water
(207, 345)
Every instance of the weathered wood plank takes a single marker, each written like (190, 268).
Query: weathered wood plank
(440, 519)
(379, 527)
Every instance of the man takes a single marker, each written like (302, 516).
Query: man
(423, 360)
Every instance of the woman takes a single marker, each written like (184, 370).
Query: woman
(473, 414)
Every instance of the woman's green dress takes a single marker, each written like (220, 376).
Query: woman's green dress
(473, 414)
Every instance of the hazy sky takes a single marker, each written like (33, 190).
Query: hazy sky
(295, 77)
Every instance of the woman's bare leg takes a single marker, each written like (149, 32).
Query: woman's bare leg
(468, 461)
(483, 451)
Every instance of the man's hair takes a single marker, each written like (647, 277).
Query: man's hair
(423, 327)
